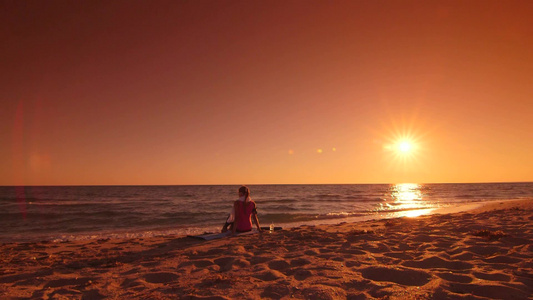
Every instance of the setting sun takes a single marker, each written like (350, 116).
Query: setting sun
(405, 146)
(403, 142)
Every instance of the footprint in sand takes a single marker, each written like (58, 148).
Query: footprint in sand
(260, 259)
(209, 253)
(489, 291)
(464, 255)
(132, 271)
(67, 282)
(311, 252)
(228, 263)
(202, 263)
(455, 277)
(298, 262)
(493, 276)
(161, 277)
(352, 251)
(130, 282)
(439, 263)
(423, 238)
(326, 256)
(15, 278)
(302, 274)
(64, 294)
(403, 276)
(399, 255)
(502, 259)
(352, 263)
(327, 250)
(225, 262)
(377, 248)
(337, 258)
(269, 275)
(485, 250)
(276, 291)
(29, 282)
(151, 264)
(321, 291)
(279, 264)
(401, 247)
(92, 294)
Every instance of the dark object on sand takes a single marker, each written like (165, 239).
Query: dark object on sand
(491, 235)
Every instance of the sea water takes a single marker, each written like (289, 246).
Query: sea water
(92, 212)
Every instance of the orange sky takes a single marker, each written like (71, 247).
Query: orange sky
(231, 92)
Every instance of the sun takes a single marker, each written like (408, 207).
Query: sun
(404, 146)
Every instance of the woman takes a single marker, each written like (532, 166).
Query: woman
(243, 212)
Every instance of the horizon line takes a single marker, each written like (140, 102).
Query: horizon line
(256, 184)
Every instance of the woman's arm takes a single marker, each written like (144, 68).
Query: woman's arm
(256, 220)
(236, 218)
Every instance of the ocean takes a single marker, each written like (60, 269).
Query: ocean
(57, 213)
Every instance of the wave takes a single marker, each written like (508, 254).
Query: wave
(280, 208)
(292, 218)
(465, 196)
(328, 196)
(282, 200)
(401, 210)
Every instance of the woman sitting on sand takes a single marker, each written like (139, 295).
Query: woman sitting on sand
(242, 213)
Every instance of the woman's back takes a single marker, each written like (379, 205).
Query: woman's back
(243, 213)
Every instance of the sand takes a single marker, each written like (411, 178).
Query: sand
(480, 254)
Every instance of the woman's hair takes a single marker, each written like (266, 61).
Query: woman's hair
(245, 191)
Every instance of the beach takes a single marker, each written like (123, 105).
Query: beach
(486, 253)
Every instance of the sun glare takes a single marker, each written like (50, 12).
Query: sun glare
(405, 146)
(404, 142)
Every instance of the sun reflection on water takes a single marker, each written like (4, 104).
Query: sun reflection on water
(405, 200)
(406, 194)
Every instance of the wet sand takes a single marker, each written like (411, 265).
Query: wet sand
(485, 253)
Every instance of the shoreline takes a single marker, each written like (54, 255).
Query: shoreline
(485, 252)
(464, 207)
(183, 232)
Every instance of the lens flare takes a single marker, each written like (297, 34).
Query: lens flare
(404, 146)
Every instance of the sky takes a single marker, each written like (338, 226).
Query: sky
(265, 92)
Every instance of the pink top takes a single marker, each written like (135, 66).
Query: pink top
(243, 213)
